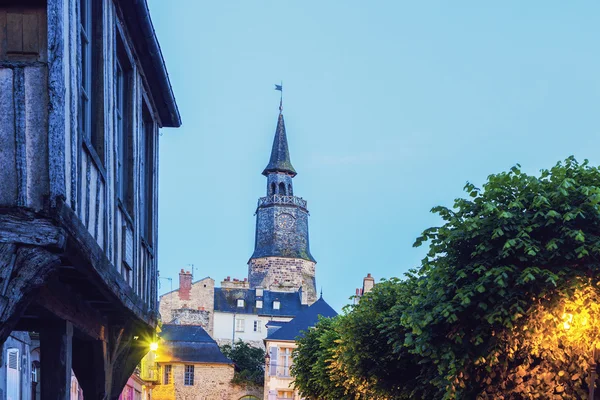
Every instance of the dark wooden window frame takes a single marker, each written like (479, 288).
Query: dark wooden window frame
(147, 175)
(124, 110)
(91, 120)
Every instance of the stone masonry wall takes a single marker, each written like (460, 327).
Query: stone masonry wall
(283, 274)
(201, 299)
(188, 316)
(211, 382)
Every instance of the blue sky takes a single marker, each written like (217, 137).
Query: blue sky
(390, 107)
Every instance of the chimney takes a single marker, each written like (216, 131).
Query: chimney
(185, 284)
(368, 283)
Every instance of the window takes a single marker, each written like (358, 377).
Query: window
(257, 326)
(239, 325)
(282, 188)
(284, 394)
(276, 305)
(240, 303)
(188, 377)
(147, 178)
(284, 361)
(90, 78)
(23, 31)
(259, 292)
(124, 128)
(13, 375)
(259, 303)
(167, 374)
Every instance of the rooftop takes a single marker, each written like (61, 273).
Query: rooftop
(189, 343)
(304, 320)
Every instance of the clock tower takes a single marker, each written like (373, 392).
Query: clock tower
(281, 260)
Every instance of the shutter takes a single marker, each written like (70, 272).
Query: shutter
(13, 381)
(273, 365)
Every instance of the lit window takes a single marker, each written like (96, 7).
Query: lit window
(188, 378)
(239, 325)
(167, 374)
(257, 326)
(276, 305)
(258, 303)
(240, 303)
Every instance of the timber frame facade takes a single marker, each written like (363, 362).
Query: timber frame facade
(83, 92)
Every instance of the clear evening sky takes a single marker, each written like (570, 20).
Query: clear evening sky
(390, 107)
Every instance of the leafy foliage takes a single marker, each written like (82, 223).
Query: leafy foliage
(484, 316)
(249, 362)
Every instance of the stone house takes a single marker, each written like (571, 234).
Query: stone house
(281, 342)
(83, 92)
(192, 367)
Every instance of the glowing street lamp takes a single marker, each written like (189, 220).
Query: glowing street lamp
(567, 324)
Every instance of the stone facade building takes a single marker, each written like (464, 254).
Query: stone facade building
(281, 271)
(83, 92)
(191, 367)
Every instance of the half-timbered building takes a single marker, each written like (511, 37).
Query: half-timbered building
(83, 92)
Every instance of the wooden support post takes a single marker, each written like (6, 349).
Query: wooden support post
(55, 352)
(89, 365)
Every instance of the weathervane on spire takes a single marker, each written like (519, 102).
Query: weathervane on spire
(280, 88)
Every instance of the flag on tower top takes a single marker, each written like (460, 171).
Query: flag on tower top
(279, 87)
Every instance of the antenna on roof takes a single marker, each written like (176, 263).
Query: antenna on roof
(321, 291)
(192, 268)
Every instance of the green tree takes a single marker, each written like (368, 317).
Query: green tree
(521, 243)
(249, 362)
(312, 362)
(504, 306)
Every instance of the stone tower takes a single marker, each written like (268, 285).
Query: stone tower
(281, 260)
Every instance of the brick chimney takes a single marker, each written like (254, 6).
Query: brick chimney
(185, 284)
(368, 283)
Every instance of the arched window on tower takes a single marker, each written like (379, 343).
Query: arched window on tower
(290, 191)
(272, 191)
(282, 188)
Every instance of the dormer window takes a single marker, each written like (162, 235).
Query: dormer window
(240, 303)
(276, 305)
(258, 303)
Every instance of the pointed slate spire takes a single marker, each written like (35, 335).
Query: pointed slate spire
(280, 154)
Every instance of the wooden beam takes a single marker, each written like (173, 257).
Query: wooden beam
(24, 227)
(63, 302)
(32, 267)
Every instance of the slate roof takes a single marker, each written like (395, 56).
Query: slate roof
(226, 301)
(189, 343)
(280, 153)
(306, 319)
